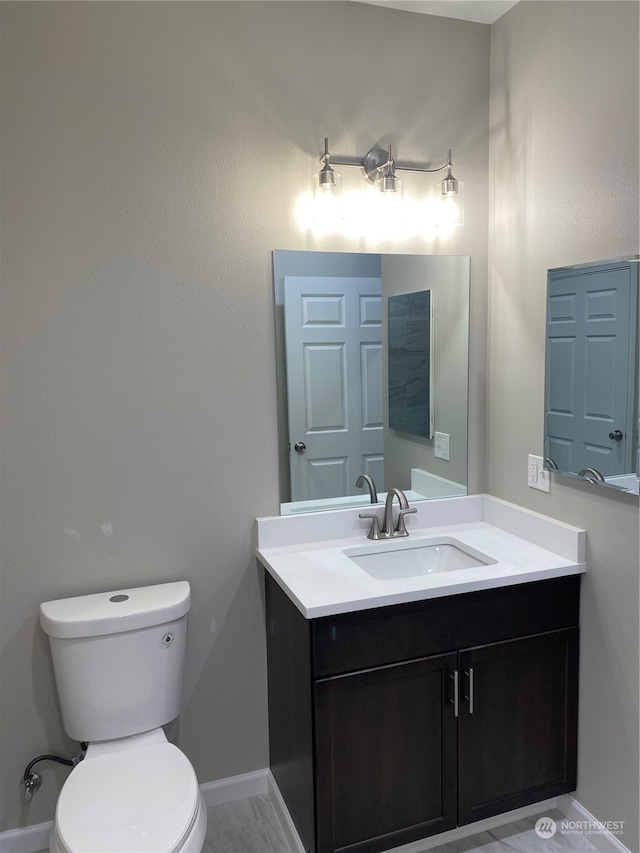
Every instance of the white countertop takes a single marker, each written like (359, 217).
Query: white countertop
(321, 580)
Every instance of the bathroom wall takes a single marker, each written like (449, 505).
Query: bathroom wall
(564, 190)
(152, 155)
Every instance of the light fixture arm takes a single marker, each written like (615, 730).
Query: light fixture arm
(377, 159)
(446, 165)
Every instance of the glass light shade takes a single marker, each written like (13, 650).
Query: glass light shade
(327, 183)
(451, 201)
(385, 215)
(390, 185)
(326, 212)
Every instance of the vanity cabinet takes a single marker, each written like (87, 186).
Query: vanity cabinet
(385, 755)
(395, 723)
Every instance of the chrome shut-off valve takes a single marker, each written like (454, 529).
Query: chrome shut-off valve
(30, 784)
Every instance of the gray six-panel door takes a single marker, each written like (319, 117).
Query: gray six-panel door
(590, 367)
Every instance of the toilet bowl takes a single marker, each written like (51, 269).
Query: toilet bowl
(136, 795)
(118, 659)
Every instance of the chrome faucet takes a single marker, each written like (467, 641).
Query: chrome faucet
(389, 531)
(591, 474)
(365, 478)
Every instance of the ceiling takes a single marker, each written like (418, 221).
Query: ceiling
(480, 11)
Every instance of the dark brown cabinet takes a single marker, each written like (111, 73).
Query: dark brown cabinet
(517, 740)
(385, 747)
(392, 724)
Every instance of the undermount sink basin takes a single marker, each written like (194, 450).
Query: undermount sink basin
(389, 560)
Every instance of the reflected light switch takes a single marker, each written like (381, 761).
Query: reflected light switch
(442, 445)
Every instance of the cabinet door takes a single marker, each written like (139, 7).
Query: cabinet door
(385, 752)
(518, 723)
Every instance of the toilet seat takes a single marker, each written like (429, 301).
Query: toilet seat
(144, 799)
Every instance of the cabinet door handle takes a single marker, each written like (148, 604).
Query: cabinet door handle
(469, 697)
(455, 700)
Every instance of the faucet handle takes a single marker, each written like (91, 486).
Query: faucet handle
(374, 532)
(400, 529)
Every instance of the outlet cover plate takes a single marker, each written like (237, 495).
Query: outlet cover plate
(537, 477)
(442, 445)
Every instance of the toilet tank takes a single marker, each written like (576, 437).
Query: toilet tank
(118, 658)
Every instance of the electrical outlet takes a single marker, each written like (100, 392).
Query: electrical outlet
(442, 445)
(537, 477)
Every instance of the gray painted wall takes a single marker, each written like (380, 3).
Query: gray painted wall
(139, 212)
(139, 418)
(564, 120)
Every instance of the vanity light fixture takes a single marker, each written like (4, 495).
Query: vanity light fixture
(380, 170)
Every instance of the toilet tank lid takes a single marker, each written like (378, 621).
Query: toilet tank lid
(116, 611)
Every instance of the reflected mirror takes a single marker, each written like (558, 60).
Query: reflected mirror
(592, 373)
(332, 345)
(410, 363)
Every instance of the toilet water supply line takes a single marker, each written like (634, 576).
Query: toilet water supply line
(31, 781)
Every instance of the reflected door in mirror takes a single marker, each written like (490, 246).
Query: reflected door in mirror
(334, 383)
(590, 368)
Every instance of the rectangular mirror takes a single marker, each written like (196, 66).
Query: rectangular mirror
(592, 373)
(331, 311)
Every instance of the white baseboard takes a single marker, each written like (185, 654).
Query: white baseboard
(235, 788)
(29, 839)
(32, 839)
(578, 819)
(293, 839)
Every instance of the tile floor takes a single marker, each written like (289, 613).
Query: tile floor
(252, 826)
(245, 826)
(520, 837)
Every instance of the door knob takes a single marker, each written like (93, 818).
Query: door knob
(299, 447)
(616, 435)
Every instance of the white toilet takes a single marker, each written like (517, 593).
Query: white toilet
(118, 659)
